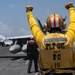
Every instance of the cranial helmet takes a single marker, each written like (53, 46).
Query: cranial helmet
(55, 21)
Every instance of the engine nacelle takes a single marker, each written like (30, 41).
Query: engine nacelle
(15, 49)
(24, 48)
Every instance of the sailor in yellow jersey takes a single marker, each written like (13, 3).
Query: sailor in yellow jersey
(56, 49)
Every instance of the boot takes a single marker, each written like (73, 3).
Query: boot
(69, 5)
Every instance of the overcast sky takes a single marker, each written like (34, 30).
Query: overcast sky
(13, 20)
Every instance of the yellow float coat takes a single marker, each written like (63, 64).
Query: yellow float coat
(47, 60)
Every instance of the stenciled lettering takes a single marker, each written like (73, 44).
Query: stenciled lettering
(56, 56)
(54, 45)
(57, 65)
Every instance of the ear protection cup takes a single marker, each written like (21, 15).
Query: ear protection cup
(63, 25)
(46, 28)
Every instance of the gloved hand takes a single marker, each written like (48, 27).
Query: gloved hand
(29, 8)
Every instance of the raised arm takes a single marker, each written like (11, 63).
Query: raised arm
(37, 33)
(71, 28)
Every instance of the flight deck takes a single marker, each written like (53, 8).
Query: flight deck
(13, 64)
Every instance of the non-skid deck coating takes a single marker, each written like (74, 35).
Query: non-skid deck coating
(13, 64)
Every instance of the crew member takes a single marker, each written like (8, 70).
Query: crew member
(32, 54)
(55, 42)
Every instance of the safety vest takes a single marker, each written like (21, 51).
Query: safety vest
(55, 54)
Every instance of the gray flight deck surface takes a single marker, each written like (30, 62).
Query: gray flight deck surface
(13, 64)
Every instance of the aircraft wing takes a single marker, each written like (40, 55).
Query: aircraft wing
(20, 39)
